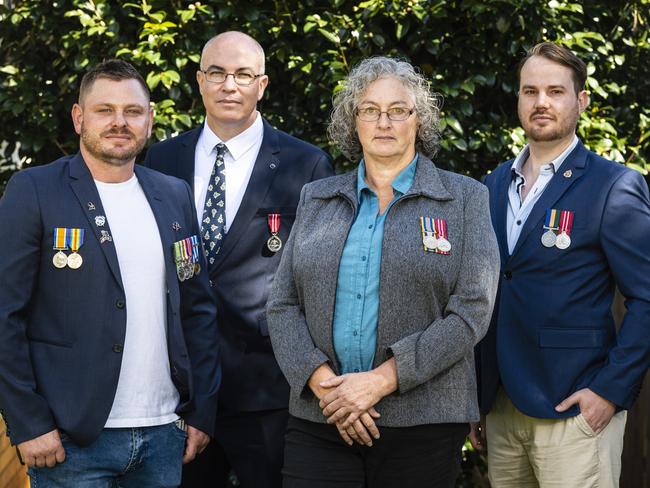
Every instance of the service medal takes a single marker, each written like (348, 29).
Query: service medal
(76, 238)
(551, 225)
(563, 240)
(274, 243)
(60, 238)
(548, 238)
(75, 261)
(429, 239)
(60, 260)
(444, 246)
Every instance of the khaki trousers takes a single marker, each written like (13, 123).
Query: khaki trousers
(527, 452)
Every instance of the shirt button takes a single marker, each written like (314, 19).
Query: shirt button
(356, 370)
(118, 348)
(354, 333)
(363, 258)
(518, 222)
(370, 226)
(358, 296)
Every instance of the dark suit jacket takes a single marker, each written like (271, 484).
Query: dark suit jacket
(552, 331)
(244, 270)
(62, 331)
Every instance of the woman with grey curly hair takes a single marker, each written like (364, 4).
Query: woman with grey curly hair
(385, 286)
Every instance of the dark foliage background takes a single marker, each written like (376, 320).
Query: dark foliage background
(468, 48)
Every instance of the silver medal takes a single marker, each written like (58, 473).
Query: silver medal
(563, 241)
(549, 238)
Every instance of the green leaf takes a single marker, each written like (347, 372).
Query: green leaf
(330, 36)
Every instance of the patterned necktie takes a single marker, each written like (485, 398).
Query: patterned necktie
(214, 210)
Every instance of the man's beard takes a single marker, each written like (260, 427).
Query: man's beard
(113, 156)
(562, 129)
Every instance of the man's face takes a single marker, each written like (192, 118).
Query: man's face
(114, 120)
(548, 106)
(228, 104)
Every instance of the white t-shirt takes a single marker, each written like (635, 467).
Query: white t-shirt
(145, 393)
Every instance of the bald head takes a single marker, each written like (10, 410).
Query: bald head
(234, 39)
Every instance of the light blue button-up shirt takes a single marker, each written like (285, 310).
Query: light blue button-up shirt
(357, 290)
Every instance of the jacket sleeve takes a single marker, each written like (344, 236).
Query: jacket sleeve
(199, 321)
(27, 413)
(466, 317)
(294, 349)
(625, 240)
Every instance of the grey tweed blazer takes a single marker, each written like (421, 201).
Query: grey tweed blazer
(433, 309)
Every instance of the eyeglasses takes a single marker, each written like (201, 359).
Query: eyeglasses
(372, 114)
(242, 78)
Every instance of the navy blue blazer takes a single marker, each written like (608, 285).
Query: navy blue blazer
(552, 331)
(242, 275)
(62, 331)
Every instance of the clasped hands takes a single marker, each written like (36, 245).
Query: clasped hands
(348, 400)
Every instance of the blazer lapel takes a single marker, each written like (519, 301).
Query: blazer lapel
(162, 215)
(572, 169)
(84, 188)
(266, 167)
(499, 209)
(185, 161)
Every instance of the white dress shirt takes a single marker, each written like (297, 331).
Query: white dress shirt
(242, 151)
(518, 210)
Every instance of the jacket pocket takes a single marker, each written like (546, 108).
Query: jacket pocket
(283, 211)
(572, 338)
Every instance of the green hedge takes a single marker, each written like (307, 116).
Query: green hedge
(468, 48)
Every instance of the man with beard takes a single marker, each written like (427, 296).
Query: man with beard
(555, 376)
(246, 177)
(108, 359)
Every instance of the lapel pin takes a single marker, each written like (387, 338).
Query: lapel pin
(105, 237)
(100, 220)
(91, 206)
(176, 226)
(568, 173)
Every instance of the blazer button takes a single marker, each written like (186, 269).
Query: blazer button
(118, 348)
(119, 303)
(507, 275)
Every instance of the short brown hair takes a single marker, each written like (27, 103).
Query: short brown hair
(561, 55)
(112, 69)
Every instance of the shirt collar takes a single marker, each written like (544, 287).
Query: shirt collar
(238, 145)
(521, 158)
(401, 184)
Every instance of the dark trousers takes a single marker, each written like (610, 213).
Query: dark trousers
(424, 456)
(249, 443)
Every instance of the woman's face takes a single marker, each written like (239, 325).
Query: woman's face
(386, 139)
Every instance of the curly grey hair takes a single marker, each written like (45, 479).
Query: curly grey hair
(342, 127)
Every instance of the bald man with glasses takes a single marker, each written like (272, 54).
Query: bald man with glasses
(246, 177)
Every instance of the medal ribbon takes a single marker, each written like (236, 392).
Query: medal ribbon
(75, 239)
(178, 256)
(61, 238)
(566, 221)
(441, 228)
(552, 219)
(193, 243)
(274, 223)
(441, 233)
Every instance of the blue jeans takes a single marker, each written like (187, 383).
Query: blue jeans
(144, 457)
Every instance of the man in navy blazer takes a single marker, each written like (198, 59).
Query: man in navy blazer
(555, 376)
(108, 341)
(265, 170)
